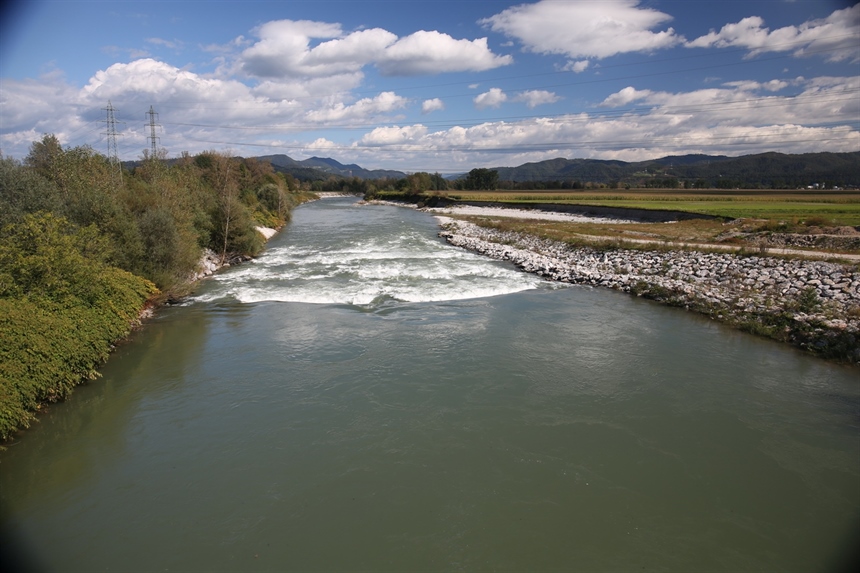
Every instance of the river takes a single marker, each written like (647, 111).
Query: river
(364, 397)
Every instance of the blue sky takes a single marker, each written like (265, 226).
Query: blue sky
(435, 86)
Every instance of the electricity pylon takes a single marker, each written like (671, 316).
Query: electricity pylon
(113, 154)
(153, 139)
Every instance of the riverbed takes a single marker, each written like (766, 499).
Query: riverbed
(366, 397)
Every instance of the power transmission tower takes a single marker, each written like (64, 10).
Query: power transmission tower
(151, 113)
(113, 154)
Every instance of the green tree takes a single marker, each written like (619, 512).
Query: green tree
(232, 222)
(418, 182)
(23, 190)
(45, 155)
(438, 183)
(162, 246)
(89, 195)
(481, 179)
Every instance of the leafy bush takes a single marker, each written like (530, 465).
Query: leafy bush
(24, 191)
(61, 309)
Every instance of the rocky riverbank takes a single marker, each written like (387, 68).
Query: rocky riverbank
(210, 261)
(812, 304)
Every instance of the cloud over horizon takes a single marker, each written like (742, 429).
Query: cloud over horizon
(423, 96)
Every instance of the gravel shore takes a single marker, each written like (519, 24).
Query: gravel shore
(814, 305)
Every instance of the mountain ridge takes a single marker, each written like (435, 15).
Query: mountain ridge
(769, 169)
(326, 166)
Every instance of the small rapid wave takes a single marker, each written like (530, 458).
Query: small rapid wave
(362, 264)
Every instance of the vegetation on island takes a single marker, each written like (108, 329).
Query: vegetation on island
(85, 246)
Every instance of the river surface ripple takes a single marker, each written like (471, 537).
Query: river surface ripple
(365, 397)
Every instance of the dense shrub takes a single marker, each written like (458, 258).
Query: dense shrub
(24, 191)
(61, 309)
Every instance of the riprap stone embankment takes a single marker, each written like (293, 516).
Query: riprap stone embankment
(812, 304)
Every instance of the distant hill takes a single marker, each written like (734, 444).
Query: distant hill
(764, 169)
(316, 168)
(560, 169)
(692, 159)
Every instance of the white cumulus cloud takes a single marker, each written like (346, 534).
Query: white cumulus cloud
(431, 105)
(431, 52)
(585, 29)
(732, 120)
(394, 135)
(534, 98)
(749, 85)
(285, 49)
(834, 37)
(576, 67)
(750, 104)
(195, 112)
(363, 109)
(495, 97)
(624, 97)
(154, 81)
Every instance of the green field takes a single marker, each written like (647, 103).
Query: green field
(832, 208)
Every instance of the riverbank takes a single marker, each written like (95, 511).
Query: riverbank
(52, 346)
(814, 305)
(211, 262)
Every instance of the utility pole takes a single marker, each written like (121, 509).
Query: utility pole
(154, 152)
(113, 154)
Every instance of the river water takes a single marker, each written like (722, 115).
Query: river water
(364, 397)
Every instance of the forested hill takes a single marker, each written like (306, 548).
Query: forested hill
(768, 170)
(762, 170)
(316, 168)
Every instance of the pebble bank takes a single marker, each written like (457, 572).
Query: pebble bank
(811, 304)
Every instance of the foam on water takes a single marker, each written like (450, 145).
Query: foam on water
(366, 265)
